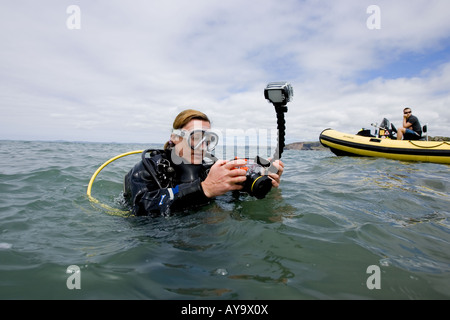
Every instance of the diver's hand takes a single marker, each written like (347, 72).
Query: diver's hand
(223, 177)
(276, 177)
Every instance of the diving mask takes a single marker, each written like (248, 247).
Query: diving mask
(203, 139)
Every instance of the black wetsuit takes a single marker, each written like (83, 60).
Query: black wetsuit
(157, 186)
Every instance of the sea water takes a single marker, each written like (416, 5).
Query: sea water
(337, 228)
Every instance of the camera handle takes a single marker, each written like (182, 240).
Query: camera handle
(280, 109)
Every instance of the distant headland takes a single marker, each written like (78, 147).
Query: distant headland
(437, 138)
(315, 146)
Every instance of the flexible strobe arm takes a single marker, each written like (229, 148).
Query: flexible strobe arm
(281, 132)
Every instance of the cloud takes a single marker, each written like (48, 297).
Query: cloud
(133, 66)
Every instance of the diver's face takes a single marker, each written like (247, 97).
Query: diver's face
(182, 147)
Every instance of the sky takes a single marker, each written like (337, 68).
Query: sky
(120, 71)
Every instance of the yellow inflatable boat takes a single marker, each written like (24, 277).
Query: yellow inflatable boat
(344, 144)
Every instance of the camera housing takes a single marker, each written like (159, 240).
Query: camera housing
(257, 183)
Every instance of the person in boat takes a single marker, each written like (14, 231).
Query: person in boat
(178, 178)
(411, 130)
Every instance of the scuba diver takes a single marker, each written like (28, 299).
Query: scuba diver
(178, 178)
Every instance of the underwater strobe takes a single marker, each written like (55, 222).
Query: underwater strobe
(258, 184)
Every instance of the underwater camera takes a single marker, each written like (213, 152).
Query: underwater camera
(258, 183)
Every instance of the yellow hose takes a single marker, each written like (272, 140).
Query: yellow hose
(91, 182)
